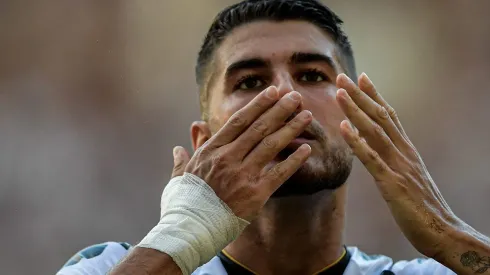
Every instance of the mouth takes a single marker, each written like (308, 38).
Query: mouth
(304, 137)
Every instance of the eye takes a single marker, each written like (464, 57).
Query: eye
(249, 83)
(313, 76)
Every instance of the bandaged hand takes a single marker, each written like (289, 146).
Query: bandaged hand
(215, 194)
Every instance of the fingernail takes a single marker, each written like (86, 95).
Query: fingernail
(349, 123)
(366, 76)
(294, 96)
(348, 80)
(176, 151)
(271, 93)
(343, 92)
(307, 114)
(343, 77)
(366, 80)
(305, 147)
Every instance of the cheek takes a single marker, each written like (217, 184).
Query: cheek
(227, 107)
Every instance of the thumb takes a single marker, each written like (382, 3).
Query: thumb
(181, 158)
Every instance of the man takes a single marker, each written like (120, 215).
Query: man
(276, 93)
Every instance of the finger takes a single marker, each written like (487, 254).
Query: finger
(271, 145)
(266, 124)
(371, 160)
(374, 134)
(374, 110)
(368, 87)
(282, 171)
(181, 158)
(242, 119)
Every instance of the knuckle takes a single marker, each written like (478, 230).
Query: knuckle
(415, 169)
(237, 120)
(252, 178)
(269, 143)
(401, 180)
(260, 127)
(278, 171)
(258, 104)
(413, 153)
(254, 193)
(358, 140)
(296, 123)
(402, 185)
(295, 159)
(250, 195)
(217, 159)
(382, 113)
(356, 91)
(233, 175)
(378, 130)
(178, 167)
(286, 105)
(380, 168)
(222, 160)
(373, 155)
(204, 151)
(355, 108)
(391, 111)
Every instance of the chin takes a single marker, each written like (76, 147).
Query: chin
(317, 175)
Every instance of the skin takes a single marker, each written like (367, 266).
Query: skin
(375, 136)
(319, 220)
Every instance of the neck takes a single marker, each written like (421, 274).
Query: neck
(297, 235)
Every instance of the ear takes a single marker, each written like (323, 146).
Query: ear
(200, 133)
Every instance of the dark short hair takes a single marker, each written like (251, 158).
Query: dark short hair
(248, 11)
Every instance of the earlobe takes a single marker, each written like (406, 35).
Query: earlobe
(200, 133)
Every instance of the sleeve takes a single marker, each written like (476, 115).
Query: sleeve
(420, 267)
(96, 259)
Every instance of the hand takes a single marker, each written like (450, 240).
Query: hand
(233, 161)
(181, 159)
(382, 146)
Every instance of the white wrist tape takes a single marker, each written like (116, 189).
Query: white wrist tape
(194, 224)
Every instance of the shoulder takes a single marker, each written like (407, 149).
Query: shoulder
(362, 263)
(100, 258)
(95, 259)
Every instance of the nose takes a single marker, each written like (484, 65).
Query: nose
(284, 83)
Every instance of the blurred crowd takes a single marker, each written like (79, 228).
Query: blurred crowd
(95, 94)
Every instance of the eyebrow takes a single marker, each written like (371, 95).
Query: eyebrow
(297, 58)
(252, 63)
(303, 58)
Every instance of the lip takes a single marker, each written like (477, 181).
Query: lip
(297, 142)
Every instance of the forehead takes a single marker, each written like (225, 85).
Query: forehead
(274, 41)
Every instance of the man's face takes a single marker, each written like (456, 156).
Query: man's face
(293, 56)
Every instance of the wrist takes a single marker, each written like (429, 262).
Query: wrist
(460, 239)
(438, 236)
(195, 224)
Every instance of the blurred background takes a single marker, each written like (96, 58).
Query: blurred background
(95, 94)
